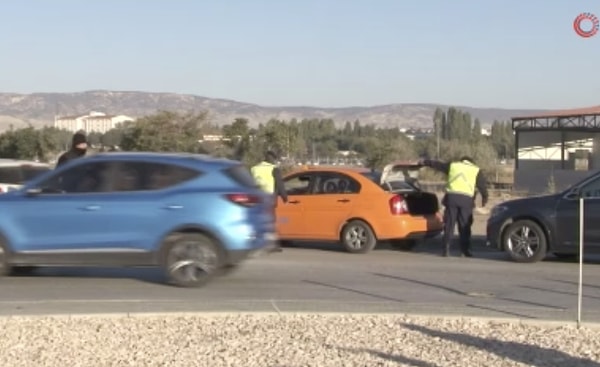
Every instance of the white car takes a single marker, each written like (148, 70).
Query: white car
(14, 172)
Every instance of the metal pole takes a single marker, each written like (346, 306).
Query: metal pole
(437, 139)
(580, 284)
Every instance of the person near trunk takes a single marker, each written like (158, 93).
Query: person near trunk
(78, 149)
(269, 179)
(464, 180)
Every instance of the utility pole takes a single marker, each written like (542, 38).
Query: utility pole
(437, 139)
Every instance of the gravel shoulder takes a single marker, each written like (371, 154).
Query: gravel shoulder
(291, 340)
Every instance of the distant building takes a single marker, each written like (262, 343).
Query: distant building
(93, 122)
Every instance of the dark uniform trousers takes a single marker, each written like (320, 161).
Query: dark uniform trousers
(459, 210)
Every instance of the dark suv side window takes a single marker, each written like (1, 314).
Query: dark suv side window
(145, 176)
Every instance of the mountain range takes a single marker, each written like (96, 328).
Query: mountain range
(39, 109)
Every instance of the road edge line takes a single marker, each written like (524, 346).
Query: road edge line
(215, 314)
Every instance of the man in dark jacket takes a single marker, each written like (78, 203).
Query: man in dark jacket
(464, 178)
(78, 149)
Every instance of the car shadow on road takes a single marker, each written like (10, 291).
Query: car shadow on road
(500, 311)
(351, 290)
(432, 246)
(528, 354)
(556, 291)
(575, 284)
(467, 294)
(146, 275)
(481, 251)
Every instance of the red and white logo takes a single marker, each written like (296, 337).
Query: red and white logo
(586, 25)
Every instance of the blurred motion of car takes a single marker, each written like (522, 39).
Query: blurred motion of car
(529, 228)
(15, 172)
(358, 207)
(193, 215)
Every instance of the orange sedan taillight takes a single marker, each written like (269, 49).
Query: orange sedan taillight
(398, 205)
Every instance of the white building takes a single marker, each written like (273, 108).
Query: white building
(93, 122)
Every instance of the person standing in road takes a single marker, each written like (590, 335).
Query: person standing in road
(268, 176)
(78, 149)
(464, 178)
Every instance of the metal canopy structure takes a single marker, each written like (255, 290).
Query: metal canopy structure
(573, 120)
(581, 119)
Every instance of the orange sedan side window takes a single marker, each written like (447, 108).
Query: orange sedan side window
(336, 183)
(298, 185)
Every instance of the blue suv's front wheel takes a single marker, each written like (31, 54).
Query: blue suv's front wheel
(190, 259)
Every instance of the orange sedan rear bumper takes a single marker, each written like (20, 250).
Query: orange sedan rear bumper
(407, 226)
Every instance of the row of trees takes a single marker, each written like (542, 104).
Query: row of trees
(455, 133)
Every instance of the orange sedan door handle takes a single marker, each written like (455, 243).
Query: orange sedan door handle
(294, 202)
(344, 200)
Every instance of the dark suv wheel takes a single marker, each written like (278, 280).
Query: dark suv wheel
(525, 241)
(190, 259)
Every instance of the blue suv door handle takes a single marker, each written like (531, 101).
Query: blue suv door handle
(173, 207)
(90, 207)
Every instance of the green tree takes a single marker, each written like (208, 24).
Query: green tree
(113, 137)
(94, 138)
(238, 137)
(476, 134)
(165, 131)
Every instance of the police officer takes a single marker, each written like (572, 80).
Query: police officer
(464, 177)
(268, 177)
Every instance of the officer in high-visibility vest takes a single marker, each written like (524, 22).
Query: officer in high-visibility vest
(268, 177)
(464, 180)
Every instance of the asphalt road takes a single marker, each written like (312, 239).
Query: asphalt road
(318, 278)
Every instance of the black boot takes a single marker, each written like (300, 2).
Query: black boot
(465, 252)
(446, 251)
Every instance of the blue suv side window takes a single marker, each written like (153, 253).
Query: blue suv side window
(83, 178)
(144, 176)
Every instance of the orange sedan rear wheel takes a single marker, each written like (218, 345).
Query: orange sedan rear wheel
(358, 237)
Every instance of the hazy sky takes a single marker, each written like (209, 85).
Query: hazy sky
(493, 53)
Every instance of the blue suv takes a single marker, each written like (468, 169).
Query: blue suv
(193, 215)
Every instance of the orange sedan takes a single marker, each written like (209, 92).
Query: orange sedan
(358, 208)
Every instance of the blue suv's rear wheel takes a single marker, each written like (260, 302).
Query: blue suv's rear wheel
(5, 268)
(190, 259)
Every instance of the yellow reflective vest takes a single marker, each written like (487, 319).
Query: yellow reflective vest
(263, 174)
(462, 178)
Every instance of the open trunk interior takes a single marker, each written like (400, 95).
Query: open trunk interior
(421, 203)
(402, 178)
